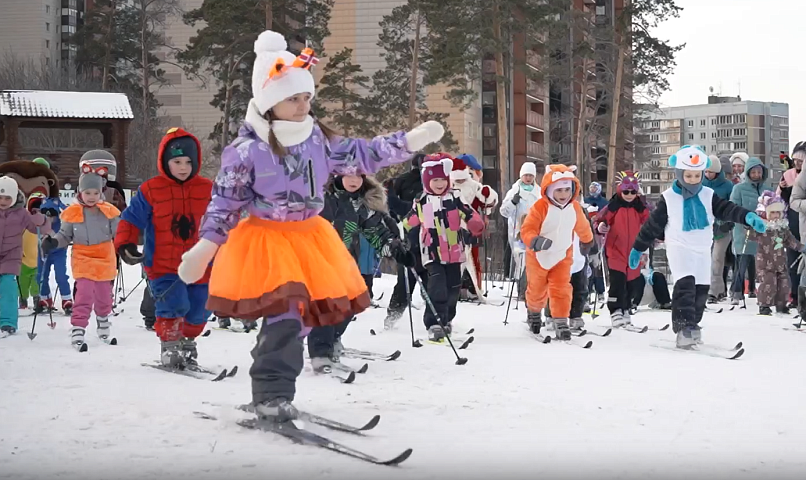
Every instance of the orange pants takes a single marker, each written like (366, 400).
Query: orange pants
(554, 283)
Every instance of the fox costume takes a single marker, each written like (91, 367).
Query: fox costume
(548, 232)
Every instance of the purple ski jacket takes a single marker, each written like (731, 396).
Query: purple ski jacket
(290, 188)
(14, 221)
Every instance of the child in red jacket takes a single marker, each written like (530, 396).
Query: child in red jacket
(169, 209)
(620, 221)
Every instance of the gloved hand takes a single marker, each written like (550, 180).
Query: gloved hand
(585, 248)
(540, 243)
(49, 212)
(635, 258)
(422, 135)
(49, 244)
(400, 253)
(755, 222)
(129, 254)
(603, 228)
(195, 261)
(651, 279)
(516, 199)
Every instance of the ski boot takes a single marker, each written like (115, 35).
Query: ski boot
(224, 322)
(783, 309)
(149, 323)
(7, 330)
(535, 321)
(752, 295)
(190, 352)
(802, 302)
(685, 338)
(103, 325)
(338, 348)
(696, 334)
(45, 304)
(24, 303)
(736, 298)
(322, 364)
(665, 306)
(586, 308)
(249, 325)
(712, 299)
(172, 355)
(764, 310)
(77, 336)
(561, 330)
(278, 410)
(435, 333)
(618, 319)
(391, 319)
(67, 307)
(577, 324)
(448, 328)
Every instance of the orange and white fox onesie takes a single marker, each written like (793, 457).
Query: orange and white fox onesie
(548, 272)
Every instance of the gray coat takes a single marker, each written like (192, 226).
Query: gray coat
(94, 230)
(797, 202)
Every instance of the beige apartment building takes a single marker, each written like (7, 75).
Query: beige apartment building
(356, 24)
(39, 30)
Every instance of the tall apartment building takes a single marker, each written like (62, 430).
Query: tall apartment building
(40, 30)
(186, 102)
(722, 126)
(356, 24)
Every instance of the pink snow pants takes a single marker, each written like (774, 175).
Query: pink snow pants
(89, 294)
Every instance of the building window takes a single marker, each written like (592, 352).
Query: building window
(47, 8)
(654, 137)
(713, 148)
(702, 136)
(739, 132)
(691, 123)
(469, 130)
(656, 124)
(489, 130)
(47, 43)
(702, 122)
(47, 26)
(488, 98)
(488, 161)
(655, 150)
(739, 146)
(713, 134)
(691, 136)
(740, 118)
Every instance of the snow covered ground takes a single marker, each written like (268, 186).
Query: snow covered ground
(620, 410)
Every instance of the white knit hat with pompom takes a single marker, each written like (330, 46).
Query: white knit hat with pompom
(270, 46)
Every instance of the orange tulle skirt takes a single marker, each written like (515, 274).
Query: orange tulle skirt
(266, 268)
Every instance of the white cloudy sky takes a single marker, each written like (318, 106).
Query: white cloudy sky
(755, 42)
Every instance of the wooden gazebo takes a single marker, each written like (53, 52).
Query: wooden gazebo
(109, 113)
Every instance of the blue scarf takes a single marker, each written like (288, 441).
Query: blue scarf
(695, 217)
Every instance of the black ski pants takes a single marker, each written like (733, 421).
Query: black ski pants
(688, 303)
(444, 282)
(744, 263)
(148, 308)
(621, 291)
(277, 360)
(399, 299)
(322, 339)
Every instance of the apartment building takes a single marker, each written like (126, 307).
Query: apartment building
(356, 24)
(40, 30)
(722, 126)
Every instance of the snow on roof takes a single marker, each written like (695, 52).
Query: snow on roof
(52, 104)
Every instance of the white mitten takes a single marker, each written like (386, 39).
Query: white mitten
(423, 134)
(195, 261)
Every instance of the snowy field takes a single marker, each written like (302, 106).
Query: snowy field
(517, 409)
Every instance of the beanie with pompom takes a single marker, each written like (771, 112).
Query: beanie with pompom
(274, 78)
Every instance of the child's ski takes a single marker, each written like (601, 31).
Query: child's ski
(703, 350)
(367, 355)
(198, 373)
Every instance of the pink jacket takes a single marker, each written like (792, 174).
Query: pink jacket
(789, 177)
(14, 221)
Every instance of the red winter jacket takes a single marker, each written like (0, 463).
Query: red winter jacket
(625, 220)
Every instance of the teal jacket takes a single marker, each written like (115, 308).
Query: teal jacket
(745, 194)
(722, 187)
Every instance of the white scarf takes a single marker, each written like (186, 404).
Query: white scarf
(288, 134)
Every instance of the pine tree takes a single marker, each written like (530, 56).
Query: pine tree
(223, 46)
(338, 94)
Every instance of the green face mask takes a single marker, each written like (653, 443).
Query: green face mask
(526, 187)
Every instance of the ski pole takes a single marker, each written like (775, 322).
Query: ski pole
(123, 299)
(414, 343)
(459, 360)
(509, 303)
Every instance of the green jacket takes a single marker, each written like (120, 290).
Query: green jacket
(745, 194)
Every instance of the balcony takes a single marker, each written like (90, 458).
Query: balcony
(535, 120)
(533, 59)
(534, 150)
(536, 91)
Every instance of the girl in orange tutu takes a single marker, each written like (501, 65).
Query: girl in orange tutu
(284, 263)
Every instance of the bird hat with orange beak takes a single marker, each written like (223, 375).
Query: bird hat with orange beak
(694, 158)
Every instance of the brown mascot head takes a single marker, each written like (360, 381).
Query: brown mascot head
(32, 177)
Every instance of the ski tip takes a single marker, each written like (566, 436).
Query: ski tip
(609, 331)
(398, 459)
(461, 361)
(394, 356)
(588, 345)
(738, 346)
(114, 341)
(350, 378)
(363, 368)
(720, 310)
(83, 348)
(374, 421)
(207, 333)
(470, 332)
(737, 354)
(220, 376)
(664, 328)
(233, 371)
(372, 331)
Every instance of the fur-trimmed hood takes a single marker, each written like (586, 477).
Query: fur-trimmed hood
(373, 195)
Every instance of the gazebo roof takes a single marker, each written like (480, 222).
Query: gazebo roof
(74, 105)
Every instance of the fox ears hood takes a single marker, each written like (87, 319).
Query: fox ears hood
(178, 142)
(558, 172)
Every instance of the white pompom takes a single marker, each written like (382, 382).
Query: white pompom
(270, 41)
